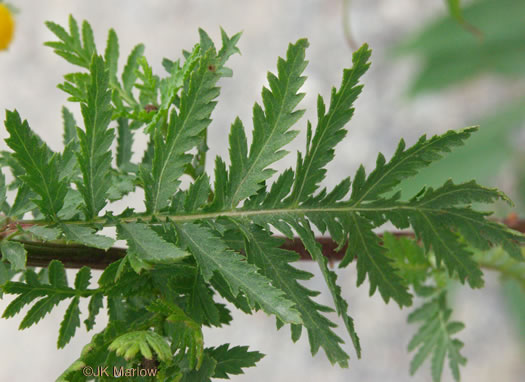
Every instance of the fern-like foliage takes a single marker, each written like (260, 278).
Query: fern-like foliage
(190, 244)
(435, 337)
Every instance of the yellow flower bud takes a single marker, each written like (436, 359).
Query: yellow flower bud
(7, 26)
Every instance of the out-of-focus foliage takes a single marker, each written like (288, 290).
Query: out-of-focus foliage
(485, 37)
(451, 55)
(481, 158)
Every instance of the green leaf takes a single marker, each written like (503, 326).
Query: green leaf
(450, 56)
(212, 255)
(129, 75)
(40, 309)
(263, 251)
(405, 163)
(196, 105)
(68, 159)
(146, 247)
(23, 201)
(314, 248)
(82, 278)
(148, 89)
(95, 142)
(39, 163)
(201, 306)
(15, 253)
(95, 304)
(229, 47)
(111, 55)
(117, 309)
(124, 144)
(330, 128)
(184, 333)
(204, 373)
(489, 148)
(22, 300)
(147, 342)
(71, 47)
(231, 361)
(121, 185)
(86, 236)
(271, 125)
(4, 206)
(436, 221)
(473, 225)
(57, 274)
(409, 258)
(372, 260)
(198, 194)
(70, 127)
(435, 336)
(69, 324)
(88, 39)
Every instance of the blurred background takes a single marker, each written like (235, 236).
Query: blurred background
(430, 72)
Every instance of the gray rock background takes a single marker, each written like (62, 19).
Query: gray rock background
(29, 73)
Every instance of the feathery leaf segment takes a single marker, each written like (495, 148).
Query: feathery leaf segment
(188, 245)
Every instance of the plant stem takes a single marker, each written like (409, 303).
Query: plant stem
(39, 254)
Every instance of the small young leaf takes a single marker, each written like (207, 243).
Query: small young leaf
(129, 344)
